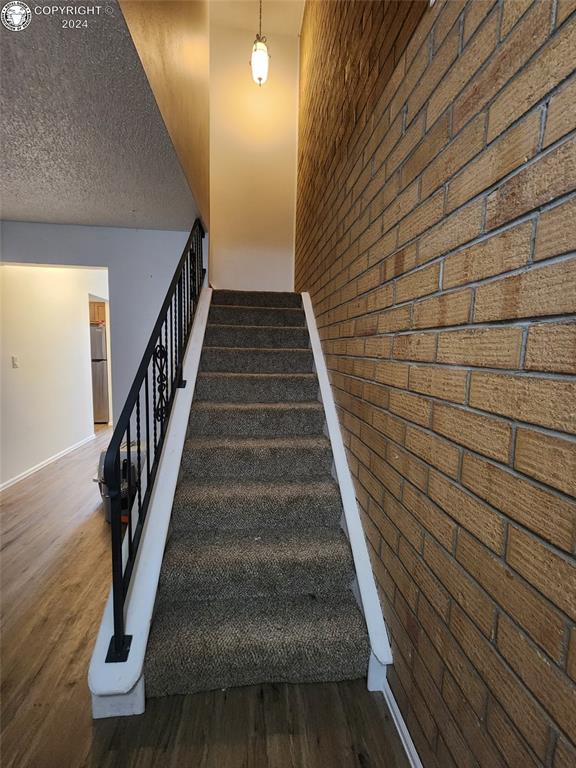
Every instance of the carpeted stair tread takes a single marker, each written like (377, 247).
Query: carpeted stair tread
(283, 458)
(255, 506)
(254, 360)
(255, 419)
(210, 645)
(275, 299)
(256, 387)
(256, 563)
(239, 315)
(256, 336)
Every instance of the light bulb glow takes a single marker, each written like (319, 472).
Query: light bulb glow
(259, 62)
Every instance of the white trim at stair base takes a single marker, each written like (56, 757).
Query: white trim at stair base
(118, 688)
(401, 727)
(42, 464)
(372, 610)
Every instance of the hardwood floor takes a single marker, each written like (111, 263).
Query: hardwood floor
(55, 577)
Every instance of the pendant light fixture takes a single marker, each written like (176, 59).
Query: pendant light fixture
(259, 61)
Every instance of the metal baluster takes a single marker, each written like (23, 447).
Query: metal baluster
(138, 456)
(129, 477)
(147, 401)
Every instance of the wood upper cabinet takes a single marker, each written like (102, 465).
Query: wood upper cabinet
(97, 312)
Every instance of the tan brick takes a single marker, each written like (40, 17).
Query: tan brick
(444, 383)
(475, 431)
(375, 394)
(390, 138)
(397, 319)
(406, 144)
(435, 72)
(389, 425)
(429, 515)
(549, 459)
(544, 624)
(501, 253)
(488, 347)
(467, 593)
(378, 346)
(436, 138)
(435, 451)
(455, 659)
(402, 205)
(400, 575)
(519, 46)
(545, 513)
(571, 664)
(417, 284)
(537, 184)
(469, 512)
(565, 8)
(552, 574)
(431, 587)
(385, 528)
(411, 407)
(498, 160)
(511, 12)
(507, 739)
(369, 280)
(547, 402)
(383, 248)
(556, 232)
(453, 231)
(423, 217)
(446, 19)
(546, 290)
(415, 346)
(380, 298)
(405, 523)
(464, 147)
(561, 117)
(406, 465)
(393, 374)
(527, 715)
(475, 15)
(548, 68)
(402, 261)
(474, 55)
(448, 309)
(480, 746)
(564, 755)
(556, 692)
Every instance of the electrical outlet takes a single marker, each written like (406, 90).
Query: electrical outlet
(15, 361)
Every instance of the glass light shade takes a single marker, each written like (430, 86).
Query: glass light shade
(259, 62)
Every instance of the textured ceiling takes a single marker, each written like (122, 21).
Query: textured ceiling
(83, 141)
(281, 17)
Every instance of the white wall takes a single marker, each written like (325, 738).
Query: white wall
(46, 402)
(253, 134)
(140, 265)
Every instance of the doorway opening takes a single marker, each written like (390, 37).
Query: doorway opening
(100, 360)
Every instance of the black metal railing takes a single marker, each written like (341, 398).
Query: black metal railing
(132, 458)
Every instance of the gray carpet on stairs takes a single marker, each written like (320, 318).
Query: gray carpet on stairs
(255, 581)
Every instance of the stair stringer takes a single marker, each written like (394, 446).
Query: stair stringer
(365, 587)
(117, 689)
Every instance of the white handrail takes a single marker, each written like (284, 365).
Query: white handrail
(377, 633)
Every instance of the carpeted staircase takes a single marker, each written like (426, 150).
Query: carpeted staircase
(255, 581)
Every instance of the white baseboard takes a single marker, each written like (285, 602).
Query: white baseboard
(45, 463)
(401, 727)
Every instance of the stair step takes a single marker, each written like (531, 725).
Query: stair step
(221, 566)
(256, 336)
(255, 419)
(211, 645)
(257, 298)
(249, 360)
(255, 506)
(238, 315)
(244, 459)
(256, 387)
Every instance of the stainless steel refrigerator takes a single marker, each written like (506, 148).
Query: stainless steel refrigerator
(99, 374)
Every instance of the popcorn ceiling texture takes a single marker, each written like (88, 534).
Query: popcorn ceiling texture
(83, 140)
(436, 230)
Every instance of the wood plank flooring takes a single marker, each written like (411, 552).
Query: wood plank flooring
(55, 573)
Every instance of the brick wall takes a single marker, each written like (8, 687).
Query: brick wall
(436, 230)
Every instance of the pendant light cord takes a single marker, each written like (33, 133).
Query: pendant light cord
(260, 31)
